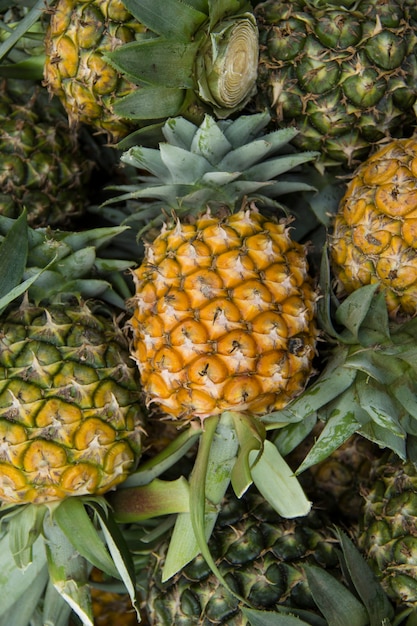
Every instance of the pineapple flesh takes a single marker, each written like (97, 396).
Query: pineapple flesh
(224, 316)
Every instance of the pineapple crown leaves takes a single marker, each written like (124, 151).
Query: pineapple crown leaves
(207, 48)
(218, 163)
(368, 385)
(45, 554)
(50, 264)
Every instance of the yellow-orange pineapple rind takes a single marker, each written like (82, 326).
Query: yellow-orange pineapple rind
(234, 331)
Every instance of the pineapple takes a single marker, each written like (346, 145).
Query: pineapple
(43, 168)
(289, 572)
(78, 37)
(223, 317)
(344, 73)
(388, 536)
(374, 230)
(71, 418)
(120, 66)
(224, 306)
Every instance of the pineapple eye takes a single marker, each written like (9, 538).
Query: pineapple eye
(296, 346)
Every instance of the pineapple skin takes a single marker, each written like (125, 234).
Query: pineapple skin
(224, 316)
(388, 530)
(80, 33)
(110, 607)
(261, 557)
(345, 76)
(374, 235)
(70, 416)
(43, 168)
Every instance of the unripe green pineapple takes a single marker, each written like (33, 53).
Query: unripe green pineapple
(260, 555)
(388, 534)
(344, 73)
(42, 165)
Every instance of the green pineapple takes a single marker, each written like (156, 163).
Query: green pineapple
(43, 168)
(388, 536)
(71, 418)
(260, 555)
(278, 571)
(344, 73)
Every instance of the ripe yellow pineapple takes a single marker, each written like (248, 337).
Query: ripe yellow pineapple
(374, 239)
(224, 307)
(224, 316)
(223, 325)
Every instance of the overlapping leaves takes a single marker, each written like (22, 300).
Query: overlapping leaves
(368, 385)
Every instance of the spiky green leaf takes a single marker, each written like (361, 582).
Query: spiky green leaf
(381, 407)
(68, 572)
(277, 483)
(13, 255)
(150, 103)
(208, 483)
(22, 611)
(256, 617)
(340, 426)
(251, 436)
(245, 128)
(352, 312)
(13, 581)
(71, 516)
(134, 504)
(157, 62)
(338, 605)
(365, 582)
(121, 556)
(36, 11)
(23, 532)
(173, 19)
(55, 609)
(161, 462)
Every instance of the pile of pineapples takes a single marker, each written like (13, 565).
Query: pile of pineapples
(208, 296)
